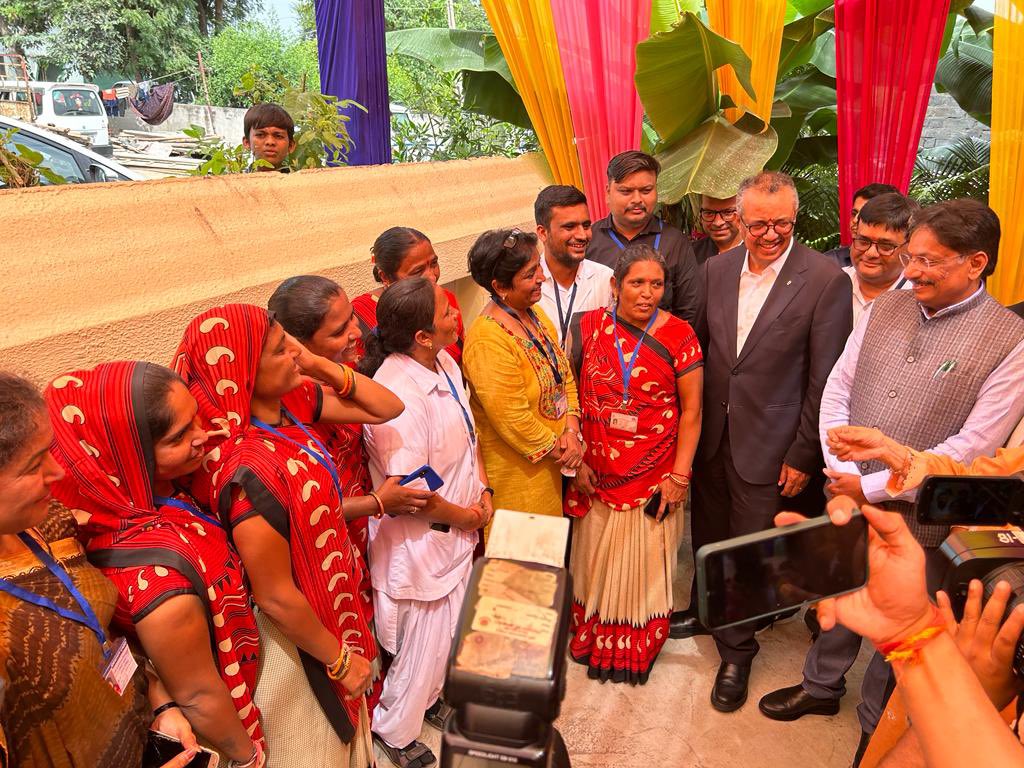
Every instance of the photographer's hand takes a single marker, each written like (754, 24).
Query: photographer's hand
(986, 641)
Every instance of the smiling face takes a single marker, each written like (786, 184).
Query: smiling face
(180, 451)
(277, 374)
(567, 236)
(765, 243)
(872, 266)
(26, 480)
(525, 289)
(446, 328)
(419, 261)
(631, 200)
(338, 336)
(719, 218)
(640, 292)
(949, 279)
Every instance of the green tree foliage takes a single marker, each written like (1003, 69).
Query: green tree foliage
(267, 53)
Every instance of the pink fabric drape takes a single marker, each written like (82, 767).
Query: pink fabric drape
(597, 44)
(886, 54)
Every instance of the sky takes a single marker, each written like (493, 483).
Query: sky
(282, 9)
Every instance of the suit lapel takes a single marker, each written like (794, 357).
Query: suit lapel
(787, 285)
(731, 303)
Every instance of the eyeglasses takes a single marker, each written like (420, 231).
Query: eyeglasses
(707, 215)
(884, 247)
(922, 263)
(512, 239)
(760, 228)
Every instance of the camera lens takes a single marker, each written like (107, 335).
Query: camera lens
(1012, 574)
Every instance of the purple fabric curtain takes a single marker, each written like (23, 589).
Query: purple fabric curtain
(353, 65)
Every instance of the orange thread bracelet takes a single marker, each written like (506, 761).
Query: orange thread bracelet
(909, 649)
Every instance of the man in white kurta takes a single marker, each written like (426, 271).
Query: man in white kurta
(419, 574)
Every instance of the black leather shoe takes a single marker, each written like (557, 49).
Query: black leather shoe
(684, 624)
(793, 703)
(730, 691)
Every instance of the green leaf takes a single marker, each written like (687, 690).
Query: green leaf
(798, 39)
(823, 56)
(666, 13)
(30, 156)
(824, 120)
(965, 72)
(195, 131)
(787, 128)
(981, 21)
(51, 176)
(675, 75)
(807, 92)
(715, 158)
(814, 150)
(489, 94)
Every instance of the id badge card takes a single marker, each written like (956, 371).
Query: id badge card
(122, 665)
(561, 405)
(623, 422)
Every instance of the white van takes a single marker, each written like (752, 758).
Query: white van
(74, 106)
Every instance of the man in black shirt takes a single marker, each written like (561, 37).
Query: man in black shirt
(719, 220)
(632, 194)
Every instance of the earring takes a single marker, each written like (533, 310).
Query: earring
(430, 344)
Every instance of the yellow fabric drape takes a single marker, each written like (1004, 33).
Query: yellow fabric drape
(1006, 170)
(526, 33)
(756, 26)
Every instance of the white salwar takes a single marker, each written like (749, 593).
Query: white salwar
(419, 575)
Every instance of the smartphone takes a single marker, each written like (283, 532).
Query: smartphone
(653, 505)
(964, 500)
(160, 748)
(426, 474)
(761, 574)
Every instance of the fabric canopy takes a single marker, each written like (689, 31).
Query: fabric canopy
(757, 28)
(886, 54)
(1006, 169)
(597, 43)
(353, 65)
(526, 33)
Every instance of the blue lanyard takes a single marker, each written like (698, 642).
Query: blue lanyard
(465, 413)
(323, 461)
(86, 617)
(190, 508)
(622, 246)
(564, 320)
(627, 371)
(547, 349)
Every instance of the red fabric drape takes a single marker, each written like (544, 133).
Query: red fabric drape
(886, 54)
(597, 43)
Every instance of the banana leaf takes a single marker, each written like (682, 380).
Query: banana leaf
(814, 150)
(491, 95)
(675, 76)
(799, 38)
(665, 13)
(715, 158)
(965, 73)
(808, 91)
(981, 21)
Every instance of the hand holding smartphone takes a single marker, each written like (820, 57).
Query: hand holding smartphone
(433, 481)
(161, 749)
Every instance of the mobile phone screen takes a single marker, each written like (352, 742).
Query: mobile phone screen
(160, 748)
(971, 501)
(784, 568)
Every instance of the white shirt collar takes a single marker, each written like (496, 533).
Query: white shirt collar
(776, 266)
(425, 379)
(951, 307)
(581, 272)
(855, 279)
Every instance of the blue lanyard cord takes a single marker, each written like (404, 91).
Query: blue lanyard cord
(465, 413)
(563, 320)
(190, 508)
(323, 461)
(657, 238)
(627, 371)
(87, 616)
(547, 348)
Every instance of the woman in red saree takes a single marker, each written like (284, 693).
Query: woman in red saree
(127, 436)
(273, 481)
(398, 253)
(640, 441)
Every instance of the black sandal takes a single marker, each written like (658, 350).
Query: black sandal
(414, 755)
(438, 715)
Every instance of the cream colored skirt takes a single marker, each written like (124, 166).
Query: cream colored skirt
(297, 732)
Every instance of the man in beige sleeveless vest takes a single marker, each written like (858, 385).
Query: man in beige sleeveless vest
(939, 368)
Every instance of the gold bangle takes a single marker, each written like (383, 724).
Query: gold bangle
(349, 384)
(681, 480)
(339, 668)
(380, 505)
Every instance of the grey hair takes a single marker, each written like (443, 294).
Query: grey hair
(21, 407)
(769, 182)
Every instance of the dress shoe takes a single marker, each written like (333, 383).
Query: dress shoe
(685, 624)
(794, 702)
(730, 691)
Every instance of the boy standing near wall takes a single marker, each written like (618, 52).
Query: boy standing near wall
(270, 136)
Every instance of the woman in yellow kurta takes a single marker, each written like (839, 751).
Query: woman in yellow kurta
(908, 468)
(523, 392)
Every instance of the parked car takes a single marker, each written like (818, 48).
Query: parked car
(74, 106)
(65, 157)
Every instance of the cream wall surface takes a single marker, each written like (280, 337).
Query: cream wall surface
(115, 271)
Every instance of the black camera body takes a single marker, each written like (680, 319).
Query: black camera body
(506, 671)
(991, 557)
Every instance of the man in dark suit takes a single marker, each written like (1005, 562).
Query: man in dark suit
(774, 321)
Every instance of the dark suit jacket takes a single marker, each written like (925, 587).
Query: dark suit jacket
(771, 390)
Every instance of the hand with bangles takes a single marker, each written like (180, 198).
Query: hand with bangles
(866, 444)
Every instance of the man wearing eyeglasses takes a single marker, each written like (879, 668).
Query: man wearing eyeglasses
(775, 317)
(841, 255)
(939, 368)
(718, 219)
(632, 195)
(883, 228)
